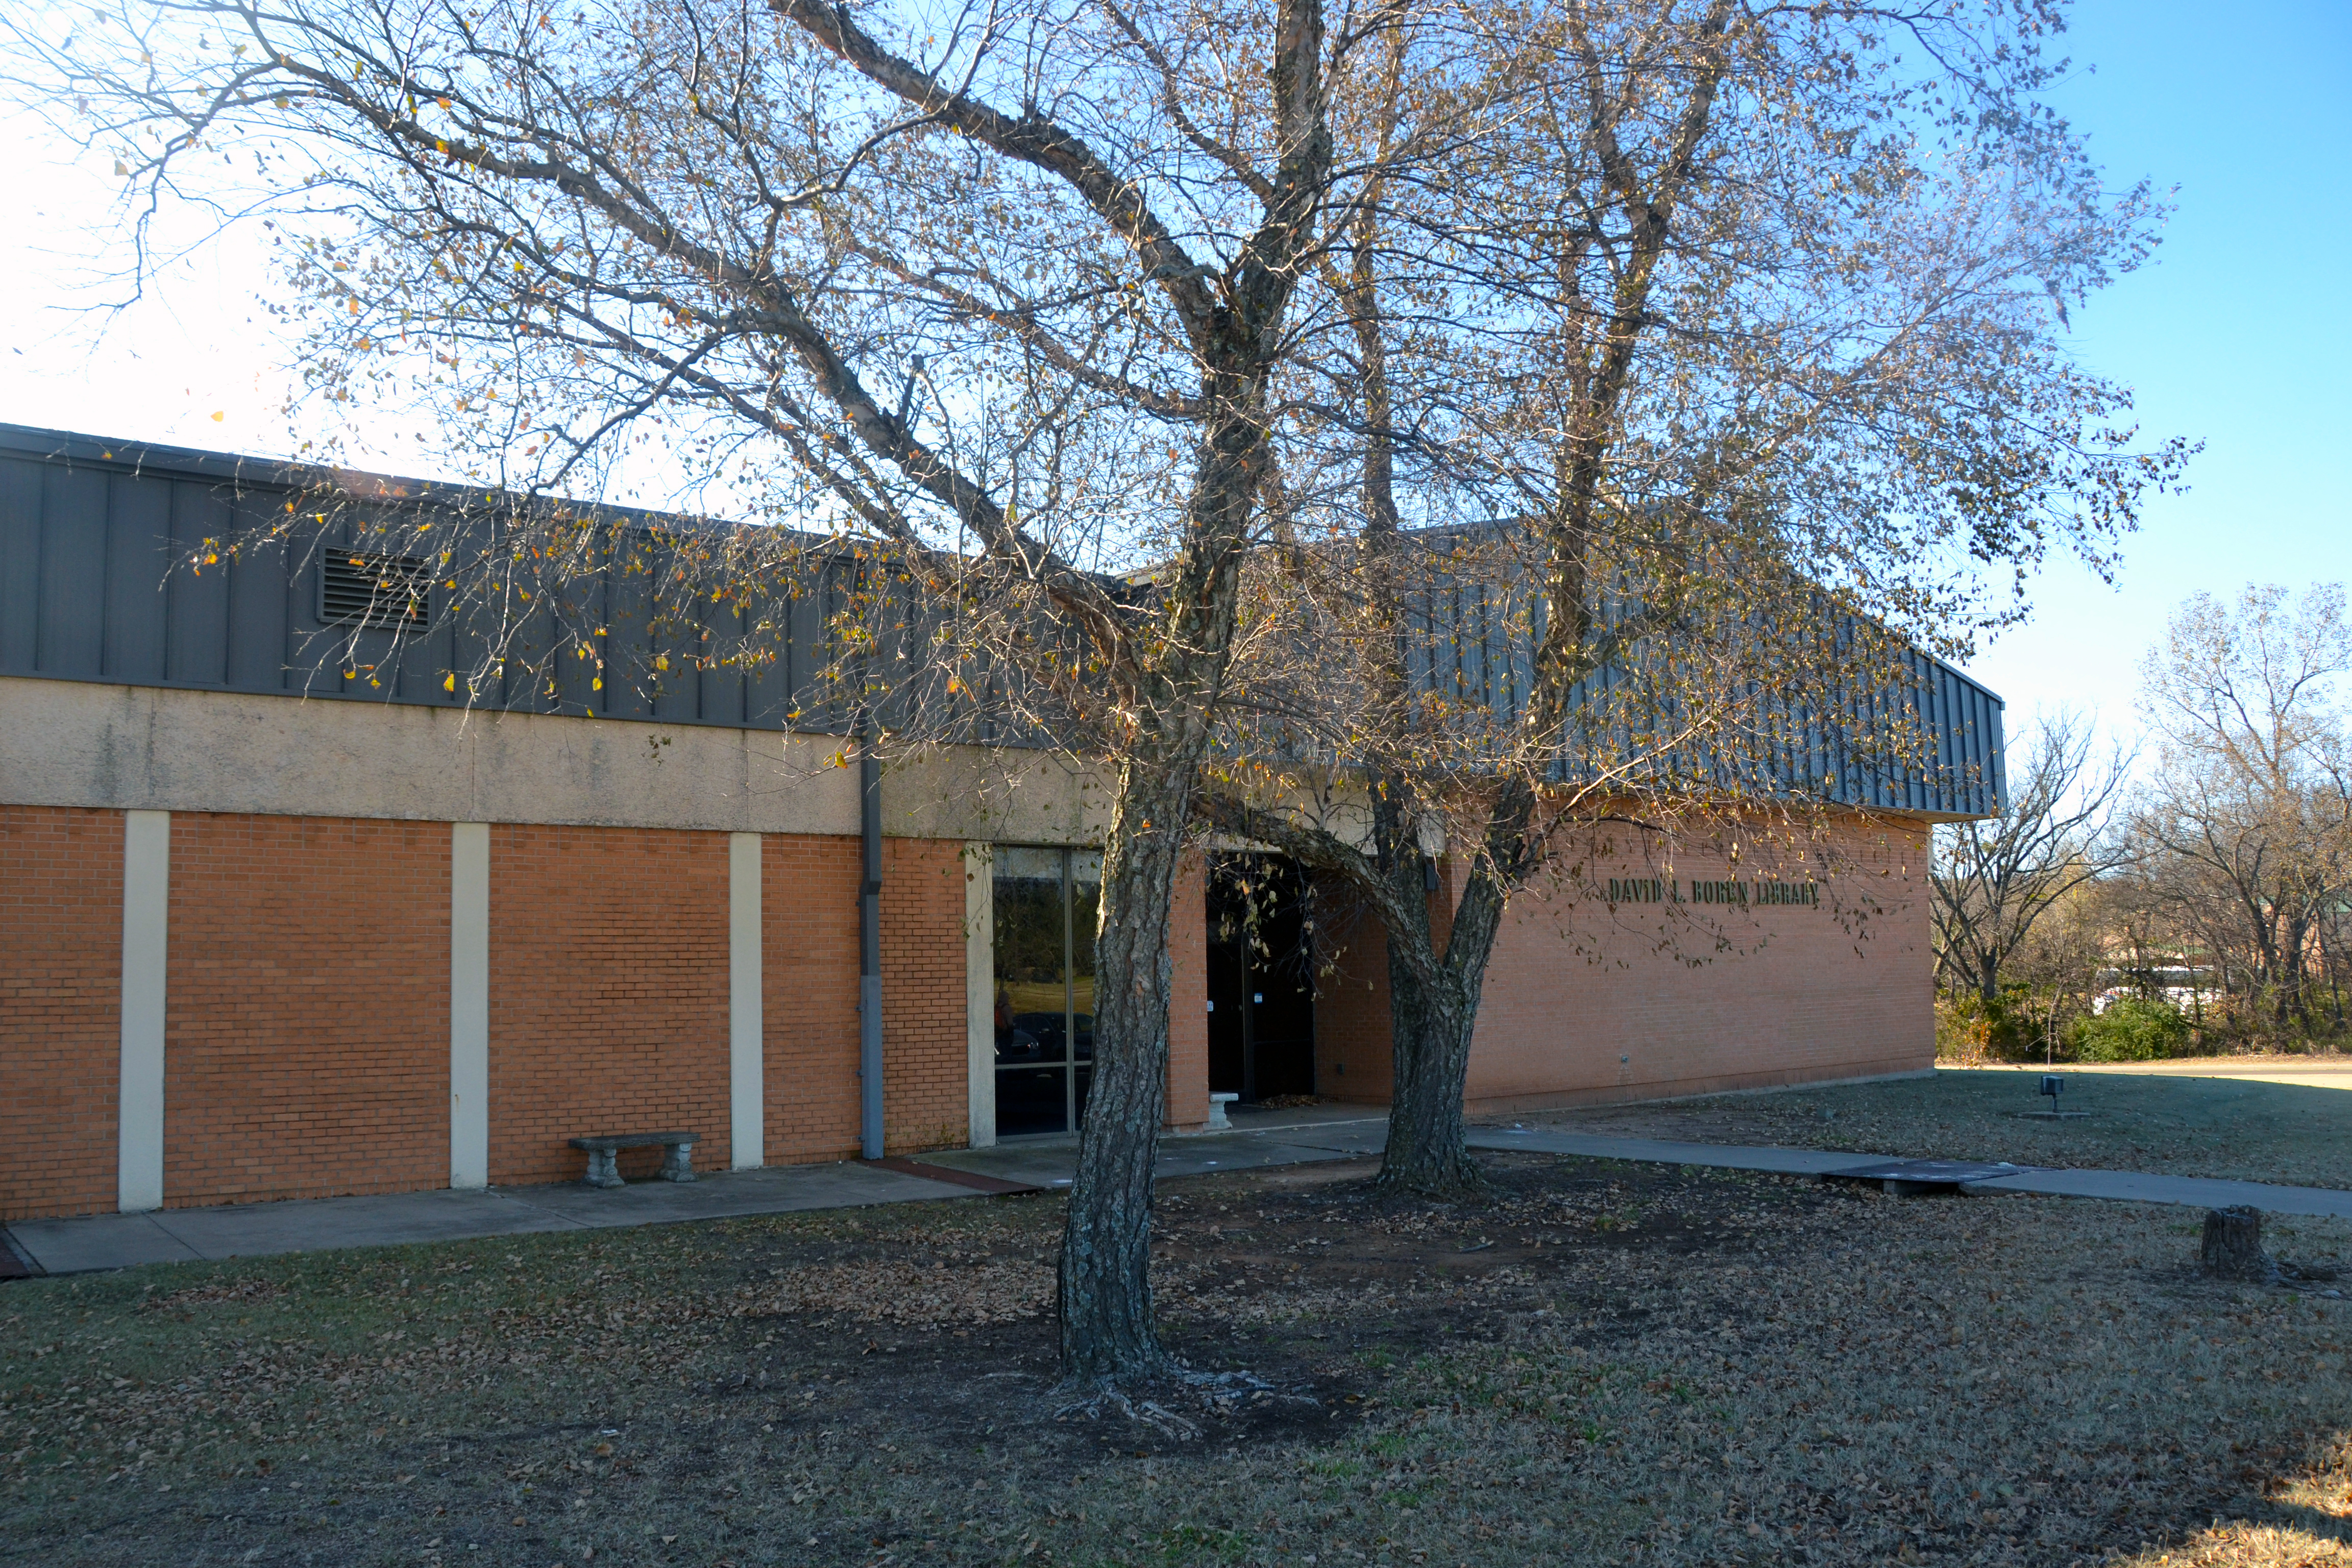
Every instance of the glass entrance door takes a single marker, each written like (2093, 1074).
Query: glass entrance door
(1261, 978)
(1044, 907)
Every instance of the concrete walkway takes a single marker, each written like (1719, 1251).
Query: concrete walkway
(1259, 1140)
(253, 1230)
(2123, 1186)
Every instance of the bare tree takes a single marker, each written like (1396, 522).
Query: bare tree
(2247, 824)
(1001, 297)
(1996, 879)
(2063, 964)
(1742, 399)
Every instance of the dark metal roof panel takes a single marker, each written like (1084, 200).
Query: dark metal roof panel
(1929, 745)
(95, 585)
(90, 531)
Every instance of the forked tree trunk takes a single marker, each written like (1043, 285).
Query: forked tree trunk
(1430, 1025)
(1106, 1315)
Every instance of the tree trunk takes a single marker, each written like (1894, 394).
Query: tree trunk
(1106, 1326)
(1430, 1026)
(1107, 1331)
(2233, 1243)
(1430, 1032)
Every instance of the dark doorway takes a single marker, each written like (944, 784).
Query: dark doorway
(1261, 978)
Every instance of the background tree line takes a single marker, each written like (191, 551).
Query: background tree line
(2191, 895)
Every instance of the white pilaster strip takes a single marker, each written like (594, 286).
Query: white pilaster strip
(980, 992)
(747, 1038)
(470, 1004)
(146, 921)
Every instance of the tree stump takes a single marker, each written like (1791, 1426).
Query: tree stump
(2233, 1243)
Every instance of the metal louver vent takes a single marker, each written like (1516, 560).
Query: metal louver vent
(356, 589)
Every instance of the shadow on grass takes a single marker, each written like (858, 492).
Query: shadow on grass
(1608, 1363)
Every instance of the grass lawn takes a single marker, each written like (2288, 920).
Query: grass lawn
(2175, 1126)
(1609, 1363)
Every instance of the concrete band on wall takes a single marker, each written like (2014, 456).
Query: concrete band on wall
(747, 1046)
(146, 916)
(980, 993)
(140, 748)
(469, 1004)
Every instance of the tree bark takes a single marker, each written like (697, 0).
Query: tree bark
(1107, 1325)
(1431, 1022)
(2233, 1243)
(1426, 1152)
(1107, 1331)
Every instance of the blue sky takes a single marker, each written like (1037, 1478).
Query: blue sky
(2238, 334)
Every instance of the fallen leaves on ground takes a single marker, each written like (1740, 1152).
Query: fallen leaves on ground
(967, 1293)
(1606, 1363)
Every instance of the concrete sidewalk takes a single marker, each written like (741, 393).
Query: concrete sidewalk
(2121, 1186)
(1259, 1140)
(253, 1230)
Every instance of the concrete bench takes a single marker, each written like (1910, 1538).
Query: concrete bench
(604, 1168)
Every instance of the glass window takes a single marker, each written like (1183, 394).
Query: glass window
(1086, 909)
(1046, 902)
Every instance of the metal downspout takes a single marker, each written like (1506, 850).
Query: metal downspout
(869, 944)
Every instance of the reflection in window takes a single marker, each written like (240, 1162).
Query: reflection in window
(1045, 903)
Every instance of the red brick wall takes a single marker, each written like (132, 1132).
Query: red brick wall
(1721, 997)
(809, 974)
(1699, 998)
(926, 1029)
(1188, 997)
(608, 994)
(306, 1039)
(60, 1008)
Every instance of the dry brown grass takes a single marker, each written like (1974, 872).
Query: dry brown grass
(1610, 1364)
(2179, 1127)
(2251, 1546)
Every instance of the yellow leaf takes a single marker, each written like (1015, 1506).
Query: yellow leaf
(219, 415)
(450, 684)
(597, 684)
(122, 168)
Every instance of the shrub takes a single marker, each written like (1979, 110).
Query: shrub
(2135, 1029)
(1960, 1032)
(1968, 1030)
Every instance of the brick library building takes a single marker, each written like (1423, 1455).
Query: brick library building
(278, 922)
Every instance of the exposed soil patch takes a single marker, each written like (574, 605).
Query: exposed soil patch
(1608, 1363)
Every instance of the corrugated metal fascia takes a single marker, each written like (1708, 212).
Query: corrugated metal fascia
(77, 450)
